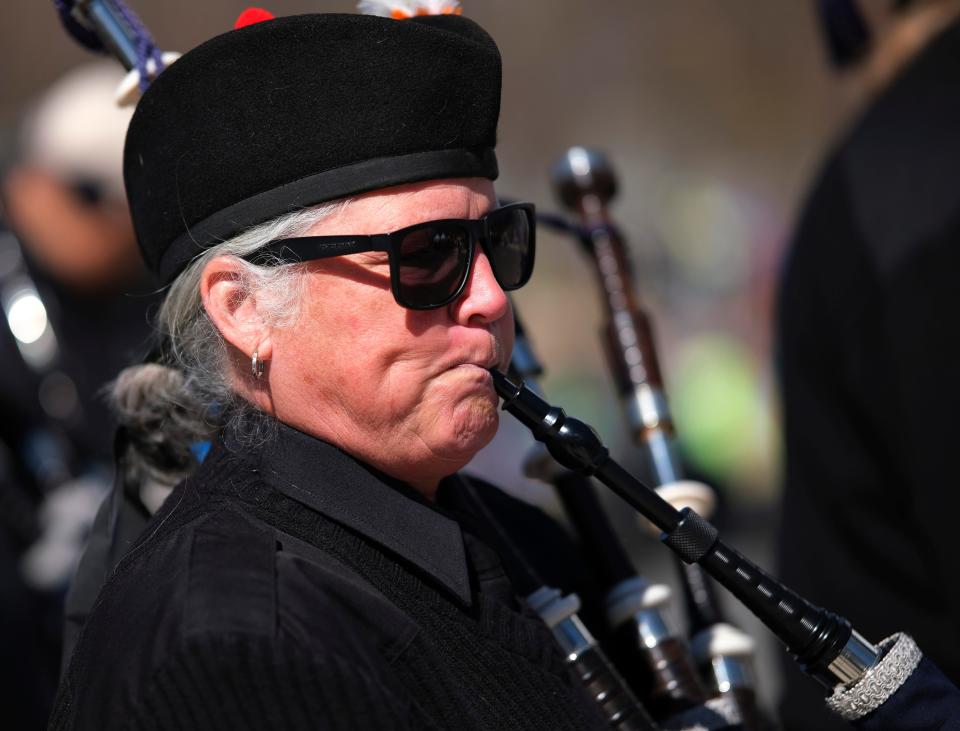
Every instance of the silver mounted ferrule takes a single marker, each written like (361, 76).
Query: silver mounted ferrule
(643, 604)
(663, 458)
(729, 673)
(649, 419)
(646, 406)
(853, 662)
(725, 654)
(898, 658)
(559, 613)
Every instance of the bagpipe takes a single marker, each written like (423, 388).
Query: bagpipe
(654, 679)
(110, 27)
(873, 686)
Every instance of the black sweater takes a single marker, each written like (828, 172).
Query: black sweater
(290, 587)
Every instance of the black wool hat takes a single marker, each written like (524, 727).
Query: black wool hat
(292, 112)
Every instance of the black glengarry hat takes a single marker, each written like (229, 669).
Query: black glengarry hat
(292, 112)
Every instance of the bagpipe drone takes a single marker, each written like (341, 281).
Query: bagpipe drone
(884, 686)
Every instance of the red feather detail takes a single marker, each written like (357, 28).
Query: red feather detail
(251, 16)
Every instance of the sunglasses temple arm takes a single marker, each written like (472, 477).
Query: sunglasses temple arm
(309, 248)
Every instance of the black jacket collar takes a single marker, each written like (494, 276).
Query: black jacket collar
(388, 512)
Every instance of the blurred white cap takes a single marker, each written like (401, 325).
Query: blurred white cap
(76, 130)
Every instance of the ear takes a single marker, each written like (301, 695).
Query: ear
(232, 309)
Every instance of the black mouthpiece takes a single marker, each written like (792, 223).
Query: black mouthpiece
(571, 442)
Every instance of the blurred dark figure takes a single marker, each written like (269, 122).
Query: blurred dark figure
(73, 315)
(869, 350)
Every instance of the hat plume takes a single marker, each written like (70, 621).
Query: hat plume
(403, 9)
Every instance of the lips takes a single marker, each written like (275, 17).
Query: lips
(486, 355)
(486, 363)
(478, 366)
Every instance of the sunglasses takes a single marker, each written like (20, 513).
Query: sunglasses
(430, 262)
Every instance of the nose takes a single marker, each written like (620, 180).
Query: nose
(483, 301)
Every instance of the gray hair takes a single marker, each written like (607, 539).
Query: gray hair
(167, 407)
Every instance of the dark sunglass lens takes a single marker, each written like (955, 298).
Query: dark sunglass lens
(433, 263)
(88, 192)
(509, 247)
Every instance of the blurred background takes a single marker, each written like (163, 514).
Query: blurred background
(715, 116)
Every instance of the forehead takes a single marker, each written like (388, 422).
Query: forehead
(390, 209)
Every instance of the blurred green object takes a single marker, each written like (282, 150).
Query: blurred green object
(588, 395)
(723, 414)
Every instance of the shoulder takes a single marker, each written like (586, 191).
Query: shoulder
(221, 600)
(165, 589)
(229, 586)
(900, 160)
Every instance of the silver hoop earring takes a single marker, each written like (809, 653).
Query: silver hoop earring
(256, 365)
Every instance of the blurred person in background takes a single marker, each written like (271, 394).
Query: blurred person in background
(69, 266)
(868, 347)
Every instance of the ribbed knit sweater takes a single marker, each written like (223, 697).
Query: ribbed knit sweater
(293, 588)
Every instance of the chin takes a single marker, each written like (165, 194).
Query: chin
(475, 424)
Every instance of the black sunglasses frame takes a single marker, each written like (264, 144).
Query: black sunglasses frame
(309, 248)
